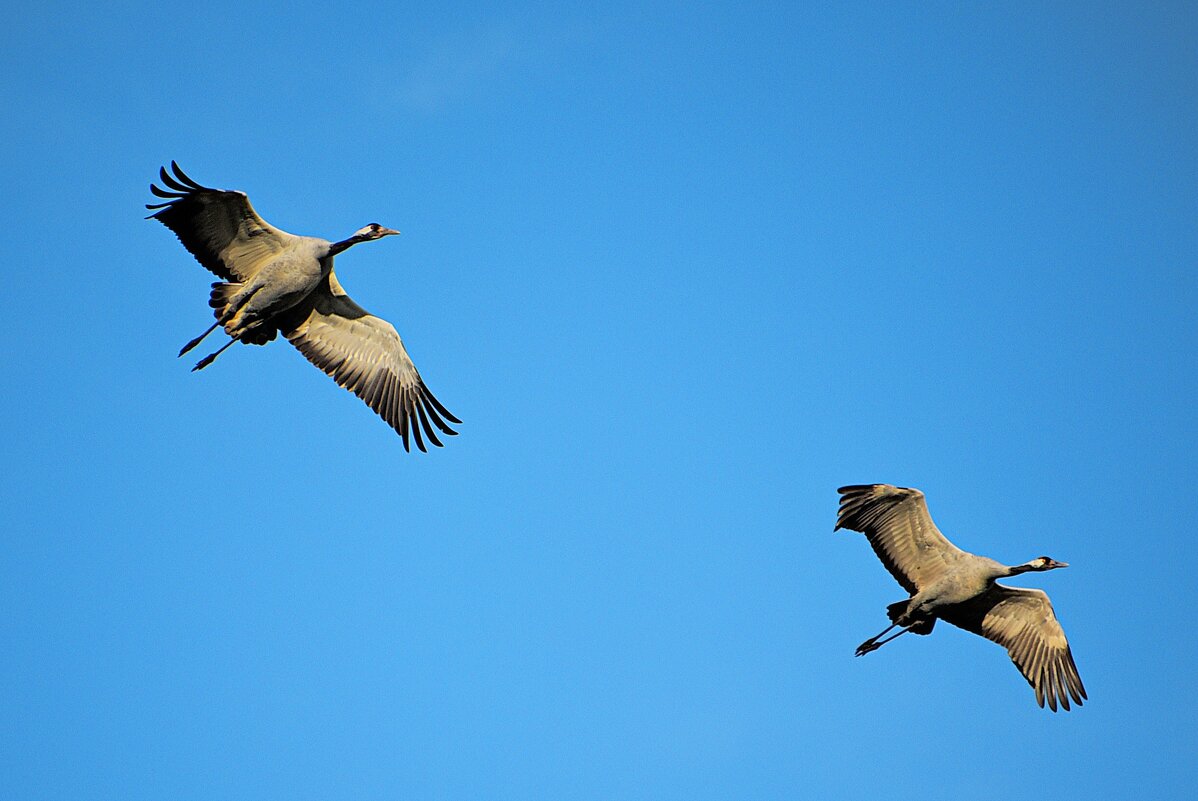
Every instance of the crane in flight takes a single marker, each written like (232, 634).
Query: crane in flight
(273, 281)
(947, 583)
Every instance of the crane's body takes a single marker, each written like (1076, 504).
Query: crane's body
(947, 583)
(968, 576)
(276, 282)
(280, 284)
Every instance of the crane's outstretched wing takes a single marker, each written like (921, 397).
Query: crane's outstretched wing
(218, 226)
(364, 354)
(896, 522)
(1022, 621)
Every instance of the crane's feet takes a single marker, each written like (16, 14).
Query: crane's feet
(864, 648)
(204, 362)
(199, 339)
(191, 344)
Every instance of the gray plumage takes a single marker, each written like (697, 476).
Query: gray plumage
(275, 282)
(947, 583)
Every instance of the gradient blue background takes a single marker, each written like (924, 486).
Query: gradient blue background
(682, 270)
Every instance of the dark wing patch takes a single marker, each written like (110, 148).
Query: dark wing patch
(217, 226)
(899, 528)
(364, 354)
(1023, 621)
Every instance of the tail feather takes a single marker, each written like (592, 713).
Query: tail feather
(897, 610)
(223, 294)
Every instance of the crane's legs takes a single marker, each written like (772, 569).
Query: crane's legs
(200, 338)
(207, 360)
(230, 311)
(875, 642)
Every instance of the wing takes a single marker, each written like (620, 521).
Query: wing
(1022, 621)
(219, 227)
(364, 354)
(896, 522)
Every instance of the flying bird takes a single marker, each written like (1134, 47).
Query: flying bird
(949, 584)
(273, 281)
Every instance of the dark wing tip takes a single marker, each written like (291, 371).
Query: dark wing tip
(434, 404)
(403, 431)
(178, 183)
(436, 411)
(184, 178)
(414, 403)
(416, 432)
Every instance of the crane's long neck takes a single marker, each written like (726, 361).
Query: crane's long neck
(1015, 570)
(345, 244)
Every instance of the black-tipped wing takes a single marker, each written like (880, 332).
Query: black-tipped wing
(219, 227)
(896, 522)
(364, 354)
(1022, 621)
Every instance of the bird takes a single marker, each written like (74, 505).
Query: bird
(275, 282)
(947, 583)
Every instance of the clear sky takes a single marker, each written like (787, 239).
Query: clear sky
(682, 270)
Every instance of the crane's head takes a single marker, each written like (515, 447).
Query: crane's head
(1045, 563)
(373, 231)
(367, 234)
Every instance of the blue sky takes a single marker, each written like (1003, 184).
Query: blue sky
(682, 271)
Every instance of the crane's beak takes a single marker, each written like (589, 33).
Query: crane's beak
(1055, 563)
(388, 232)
